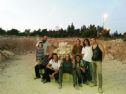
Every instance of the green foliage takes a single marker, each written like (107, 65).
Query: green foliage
(2, 32)
(71, 31)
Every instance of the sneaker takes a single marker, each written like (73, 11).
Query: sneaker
(42, 80)
(87, 82)
(92, 84)
(36, 78)
(45, 81)
(80, 85)
(100, 90)
(76, 87)
(60, 86)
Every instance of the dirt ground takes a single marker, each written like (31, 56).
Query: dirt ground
(17, 78)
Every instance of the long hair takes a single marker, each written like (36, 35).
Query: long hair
(87, 42)
(54, 54)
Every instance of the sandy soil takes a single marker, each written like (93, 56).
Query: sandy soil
(17, 78)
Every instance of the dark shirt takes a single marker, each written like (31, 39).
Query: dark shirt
(97, 54)
(67, 65)
(76, 50)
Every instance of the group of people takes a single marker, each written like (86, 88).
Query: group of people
(84, 63)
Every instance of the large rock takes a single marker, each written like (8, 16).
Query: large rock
(63, 49)
(4, 55)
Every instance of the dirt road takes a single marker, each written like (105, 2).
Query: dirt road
(17, 78)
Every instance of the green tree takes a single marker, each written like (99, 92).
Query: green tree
(70, 30)
(13, 32)
(2, 32)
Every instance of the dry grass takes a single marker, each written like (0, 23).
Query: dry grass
(115, 49)
(17, 45)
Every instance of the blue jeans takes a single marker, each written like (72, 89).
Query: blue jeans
(88, 73)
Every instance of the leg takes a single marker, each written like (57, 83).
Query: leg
(73, 72)
(79, 76)
(94, 75)
(60, 76)
(89, 71)
(37, 71)
(47, 73)
(99, 73)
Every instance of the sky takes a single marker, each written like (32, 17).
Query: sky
(54, 14)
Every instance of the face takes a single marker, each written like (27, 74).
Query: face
(78, 42)
(85, 41)
(67, 57)
(78, 58)
(45, 38)
(93, 41)
(55, 57)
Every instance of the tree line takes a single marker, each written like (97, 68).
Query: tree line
(71, 31)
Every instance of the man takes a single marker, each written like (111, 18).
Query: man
(44, 62)
(77, 48)
(98, 56)
(46, 44)
(67, 67)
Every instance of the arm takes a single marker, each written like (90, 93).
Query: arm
(103, 50)
(49, 66)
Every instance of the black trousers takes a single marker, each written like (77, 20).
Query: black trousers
(79, 76)
(71, 71)
(38, 67)
(49, 72)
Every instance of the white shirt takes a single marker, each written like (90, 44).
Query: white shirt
(87, 52)
(55, 65)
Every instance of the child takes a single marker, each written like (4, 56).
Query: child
(79, 69)
(39, 59)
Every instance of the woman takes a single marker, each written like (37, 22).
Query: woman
(87, 57)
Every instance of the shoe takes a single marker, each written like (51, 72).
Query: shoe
(36, 78)
(60, 86)
(80, 85)
(42, 80)
(92, 84)
(45, 81)
(87, 82)
(100, 90)
(76, 87)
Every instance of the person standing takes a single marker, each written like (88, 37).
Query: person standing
(46, 44)
(41, 55)
(39, 60)
(98, 56)
(77, 48)
(87, 60)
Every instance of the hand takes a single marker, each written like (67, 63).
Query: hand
(52, 76)
(82, 69)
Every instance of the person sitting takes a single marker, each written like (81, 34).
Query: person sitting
(79, 69)
(52, 68)
(67, 67)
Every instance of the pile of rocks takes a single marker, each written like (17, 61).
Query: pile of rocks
(116, 49)
(4, 55)
(63, 49)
